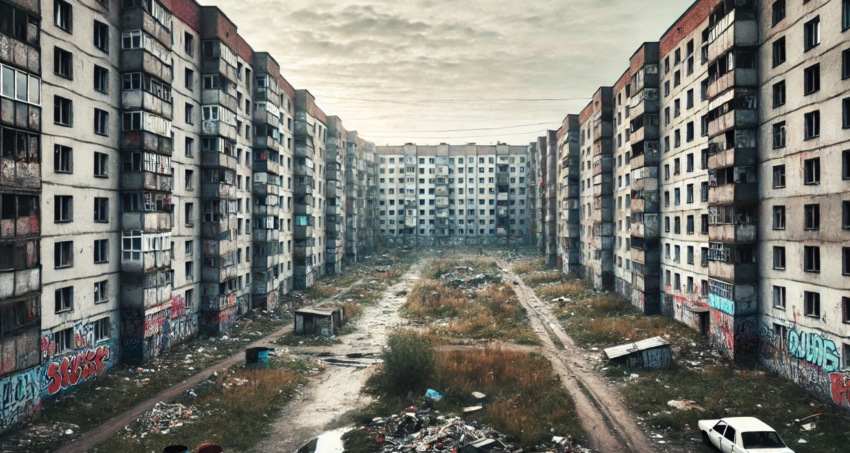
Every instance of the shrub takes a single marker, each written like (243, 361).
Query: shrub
(408, 363)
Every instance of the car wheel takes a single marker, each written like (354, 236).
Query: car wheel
(707, 441)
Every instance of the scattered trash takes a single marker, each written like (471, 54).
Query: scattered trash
(432, 394)
(683, 405)
(650, 353)
(164, 417)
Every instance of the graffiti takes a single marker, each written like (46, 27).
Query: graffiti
(178, 307)
(76, 369)
(156, 322)
(135, 350)
(656, 358)
(719, 303)
(839, 389)
(48, 346)
(218, 321)
(20, 397)
(746, 338)
(133, 322)
(83, 334)
(722, 333)
(814, 349)
(218, 303)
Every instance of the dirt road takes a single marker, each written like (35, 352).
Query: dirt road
(337, 391)
(605, 419)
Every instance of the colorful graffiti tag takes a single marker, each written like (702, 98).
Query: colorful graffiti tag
(20, 397)
(839, 389)
(76, 369)
(746, 337)
(814, 349)
(178, 307)
(719, 303)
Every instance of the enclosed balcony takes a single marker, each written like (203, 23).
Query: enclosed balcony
(217, 65)
(305, 150)
(502, 179)
(23, 277)
(218, 128)
(732, 234)
(649, 229)
(218, 274)
(262, 141)
(304, 186)
(333, 210)
(601, 164)
(134, 100)
(264, 164)
(646, 101)
(646, 132)
(305, 168)
(220, 228)
(218, 191)
(146, 141)
(265, 236)
(733, 193)
(646, 283)
(142, 262)
(333, 190)
(141, 60)
(303, 231)
(735, 29)
(217, 159)
(733, 272)
(332, 174)
(20, 114)
(265, 116)
(142, 291)
(225, 244)
(217, 96)
(731, 157)
(149, 222)
(303, 248)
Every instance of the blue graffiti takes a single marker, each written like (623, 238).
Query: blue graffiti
(814, 349)
(719, 303)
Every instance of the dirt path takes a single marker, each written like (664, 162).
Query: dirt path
(105, 430)
(337, 391)
(607, 422)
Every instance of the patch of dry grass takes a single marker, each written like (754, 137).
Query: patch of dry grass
(538, 278)
(440, 266)
(492, 314)
(526, 266)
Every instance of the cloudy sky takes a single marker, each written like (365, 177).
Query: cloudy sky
(454, 71)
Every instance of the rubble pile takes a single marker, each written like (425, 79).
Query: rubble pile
(425, 430)
(462, 278)
(164, 417)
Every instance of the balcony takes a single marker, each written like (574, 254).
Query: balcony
(733, 157)
(602, 164)
(218, 274)
(502, 196)
(142, 100)
(303, 231)
(302, 127)
(729, 32)
(265, 236)
(221, 229)
(332, 191)
(220, 97)
(265, 94)
(333, 175)
(224, 245)
(303, 209)
(602, 129)
(647, 132)
(646, 101)
(218, 191)
(649, 229)
(651, 260)
(20, 227)
(263, 262)
(603, 146)
(145, 297)
(646, 284)
(302, 251)
(333, 210)
(148, 222)
(216, 65)
(733, 234)
(146, 141)
(141, 60)
(303, 170)
(602, 215)
(740, 119)
(20, 115)
(305, 151)
(19, 283)
(733, 272)
(304, 189)
(265, 142)
(217, 160)
(502, 212)
(733, 194)
(264, 117)
(21, 174)
(333, 227)
(146, 261)
(741, 77)
(266, 166)
(218, 128)
(263, 189)
(502, 179)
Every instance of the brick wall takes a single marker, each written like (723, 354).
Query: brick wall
(188, 11)
(689, 21)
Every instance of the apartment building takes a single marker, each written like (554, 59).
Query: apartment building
(547, 200)
(732, 178)
(568, 195)
(169, 188)
(622, 181)
(361, 198)
(445, 194)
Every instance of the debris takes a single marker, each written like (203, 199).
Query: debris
(650, 353)
(164, 417)
(432, 394)
(471, 409)
(683, 405)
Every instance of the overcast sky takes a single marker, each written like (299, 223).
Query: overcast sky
(397, 70)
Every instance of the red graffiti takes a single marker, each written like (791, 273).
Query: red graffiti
(178, 307)
(840, 388)
(72, 371)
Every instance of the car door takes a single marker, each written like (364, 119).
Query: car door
(728, 441)
(716, 434)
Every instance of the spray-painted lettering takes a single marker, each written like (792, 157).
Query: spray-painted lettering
(814, 349)
(76, 369)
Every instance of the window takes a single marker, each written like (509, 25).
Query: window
(811, 33)
(845, 214)
(63, 254)
(189, 79)
(101, 210)
(189, 177)
(101, 79)
(101, 36)
(778, 94)
(63, 63)
(101, 122)
(811, 301)
(812, 216)
(812, 123)
(811, 171)
(189, 147)
(845, 261)
(62, 15)
(845, 165)
(190, 113)
(101, 165)
(63, 208)
(188, 213)
(63, 159)
(189, 43)
(100, 294)
(845, 14)
(845, 110)
(778, 176)
(779, 135)
(64, 340)
(190, 271)
(101, 251)
(779, 297)
(779, 217)
(845, 64)
(811, 255)
(778, 10)
(779, 258)
(811, 79)
(102, 329)
(62, 111)
(64, 299)
(778, 52)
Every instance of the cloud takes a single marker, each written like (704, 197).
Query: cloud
(347, 51)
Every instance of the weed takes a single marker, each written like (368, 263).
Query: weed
(408, 363)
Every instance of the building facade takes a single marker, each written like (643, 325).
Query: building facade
(727, 175)
(186, 183)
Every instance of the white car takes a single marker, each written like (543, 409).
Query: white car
(742, 435)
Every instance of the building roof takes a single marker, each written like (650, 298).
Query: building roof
(630, 348)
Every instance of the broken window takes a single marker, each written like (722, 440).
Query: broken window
(779, 297)
(779, 258)
(811, 302)
(64, 299)
(101, 251)
(100, 294)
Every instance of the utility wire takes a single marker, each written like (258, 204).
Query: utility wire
(454, 101)
(465, 130)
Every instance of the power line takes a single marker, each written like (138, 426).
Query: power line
(454, 101)
(462, 136)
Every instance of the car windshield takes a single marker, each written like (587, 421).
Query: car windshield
(761, 439)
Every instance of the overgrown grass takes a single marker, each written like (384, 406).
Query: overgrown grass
(538, 278)
(438, 267)
(239, 412)
(490, 314)
(525, 399)
(725, 392)
(529, 265)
